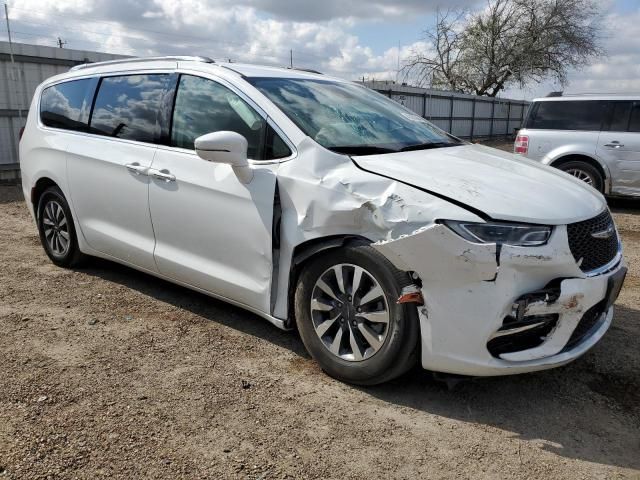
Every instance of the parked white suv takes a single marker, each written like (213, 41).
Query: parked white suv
(595, 138)
(320, 204)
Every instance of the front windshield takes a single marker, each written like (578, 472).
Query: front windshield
(349, 118)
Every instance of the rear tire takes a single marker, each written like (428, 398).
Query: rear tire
(57, 230)
(585, 172)
(342, 321)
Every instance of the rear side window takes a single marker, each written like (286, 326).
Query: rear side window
(620, 116)
(67, 105)
(625, 116)
(568, 115)
(129, 107)
(634, 121)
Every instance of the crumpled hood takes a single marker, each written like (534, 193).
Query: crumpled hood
(497, 183)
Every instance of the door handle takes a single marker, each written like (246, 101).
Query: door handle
(163, 175)
(614, 144)
(136, 168)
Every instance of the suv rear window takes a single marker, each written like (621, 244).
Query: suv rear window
(129, 107)
(67, 105)
(568, 115)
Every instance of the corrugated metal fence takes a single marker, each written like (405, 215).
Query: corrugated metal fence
(466, 116)
(33, 64)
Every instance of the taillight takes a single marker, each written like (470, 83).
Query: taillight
(20, 133)
(522, 145)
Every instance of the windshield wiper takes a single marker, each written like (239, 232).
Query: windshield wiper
(427, 146)
(361, 149)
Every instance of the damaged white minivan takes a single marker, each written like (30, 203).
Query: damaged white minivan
(323, 206)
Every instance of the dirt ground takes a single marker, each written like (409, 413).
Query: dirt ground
(109, 373)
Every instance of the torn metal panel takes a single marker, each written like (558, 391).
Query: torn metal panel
(324, 194)
(444, 251)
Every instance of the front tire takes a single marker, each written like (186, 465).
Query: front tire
(348, 318)
(585, 172)
(57, 231)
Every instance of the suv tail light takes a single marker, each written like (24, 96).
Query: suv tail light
(522, 145)
(20, 133)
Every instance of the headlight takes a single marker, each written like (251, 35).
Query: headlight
(504, 233)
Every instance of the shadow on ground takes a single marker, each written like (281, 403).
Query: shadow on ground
(624, 205)
(574, 410)
(206, 307)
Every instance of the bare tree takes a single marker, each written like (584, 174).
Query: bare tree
(509, 42)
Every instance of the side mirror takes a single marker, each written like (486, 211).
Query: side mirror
(226, 147)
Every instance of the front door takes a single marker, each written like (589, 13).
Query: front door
(212, 231)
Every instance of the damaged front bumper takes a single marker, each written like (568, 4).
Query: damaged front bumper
(492, 310)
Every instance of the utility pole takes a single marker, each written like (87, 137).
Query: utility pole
(398, 69)
(61, 43)
(291, 58)
(13, 63)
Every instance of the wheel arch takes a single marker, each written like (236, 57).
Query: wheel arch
(308, 250)
(579, 157)
(38, 189)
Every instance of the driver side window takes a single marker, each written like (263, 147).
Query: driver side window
(203, 106)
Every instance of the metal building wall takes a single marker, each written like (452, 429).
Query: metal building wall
(33, 65)
(466, 116)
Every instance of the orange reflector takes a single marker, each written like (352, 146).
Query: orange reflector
(411, 297)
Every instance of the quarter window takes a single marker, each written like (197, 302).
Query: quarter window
(568, 115)
(129, 107)
(67, 105)
(274, 146)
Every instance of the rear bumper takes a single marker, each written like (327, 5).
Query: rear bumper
(470, 291)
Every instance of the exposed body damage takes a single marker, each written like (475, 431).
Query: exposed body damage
(469, 293)
(468, 288)
(324, 194)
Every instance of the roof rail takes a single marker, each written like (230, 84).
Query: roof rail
(308, 70)
(596, 94)
(555, 94)
(183, 58)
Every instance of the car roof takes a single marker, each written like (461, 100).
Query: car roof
(202, 63)
(250, 70)
(593, 96)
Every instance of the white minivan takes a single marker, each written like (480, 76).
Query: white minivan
(321, 205)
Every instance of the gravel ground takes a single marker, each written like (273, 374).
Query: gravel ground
(110, 373)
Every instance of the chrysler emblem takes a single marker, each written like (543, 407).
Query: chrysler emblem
(604, 234)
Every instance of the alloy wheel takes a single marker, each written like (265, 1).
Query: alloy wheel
(350, 313)
(56, 228)
(581, 175)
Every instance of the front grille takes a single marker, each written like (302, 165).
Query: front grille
(589, 251)
(589, 322)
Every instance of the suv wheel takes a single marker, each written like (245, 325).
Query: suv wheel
(56, 228)
(348, 318)
(585, 172)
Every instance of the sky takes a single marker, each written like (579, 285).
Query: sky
(346, 38)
